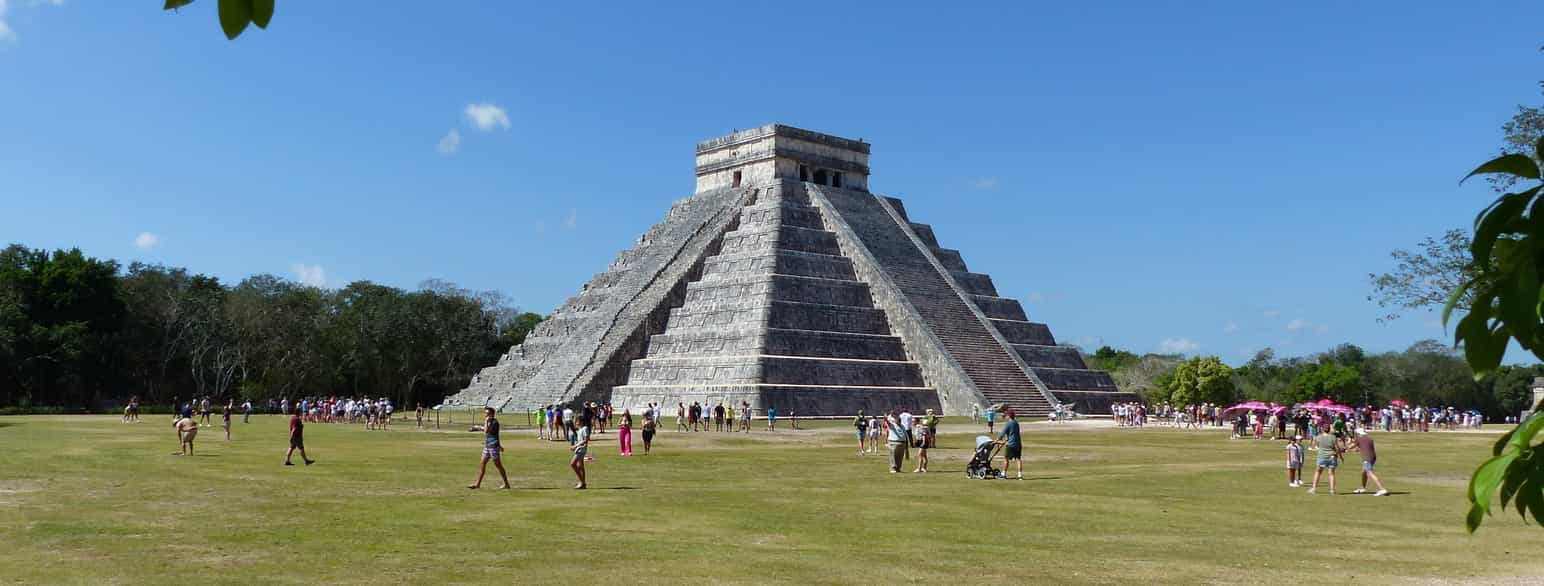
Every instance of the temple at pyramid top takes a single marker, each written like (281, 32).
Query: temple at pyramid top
(776, 152)
(782, 283)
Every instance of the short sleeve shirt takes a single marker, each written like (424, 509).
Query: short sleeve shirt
(1010, 434)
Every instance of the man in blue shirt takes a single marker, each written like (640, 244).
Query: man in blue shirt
(1013, 446)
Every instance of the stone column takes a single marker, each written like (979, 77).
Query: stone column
(1538, 391)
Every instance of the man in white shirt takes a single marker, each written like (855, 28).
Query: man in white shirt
(906, 428)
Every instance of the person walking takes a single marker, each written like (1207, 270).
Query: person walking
(650, 422)
(861, 424)
(1013, 444)
(625, 433)
(581, 449)
(718, 417)
(297, 439)
(1363, 444)
(745, 416)
(492, 450)
(922, 437)
(975, 412)
(680, 417)
(896, 442)
(771, 419)
(225, 418)
(246, 412)
(991, 418)
(1329, 458)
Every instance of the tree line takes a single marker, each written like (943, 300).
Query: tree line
(1427, 373)
(78, 332)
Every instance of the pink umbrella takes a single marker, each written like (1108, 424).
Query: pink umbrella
(1246, 406)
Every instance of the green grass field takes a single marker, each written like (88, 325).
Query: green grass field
(86, 499)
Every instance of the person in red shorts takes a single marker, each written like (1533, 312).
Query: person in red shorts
(297, 439)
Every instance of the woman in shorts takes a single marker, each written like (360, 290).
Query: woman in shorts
(581, 449)
(650, 422)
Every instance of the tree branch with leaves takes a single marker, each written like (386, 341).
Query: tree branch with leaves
(1506, 304)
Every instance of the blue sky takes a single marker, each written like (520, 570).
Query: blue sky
(1210, 177)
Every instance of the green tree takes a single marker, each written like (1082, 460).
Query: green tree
(1201, 380)
(1426, 277)
(1508, 305)
(1342, 384)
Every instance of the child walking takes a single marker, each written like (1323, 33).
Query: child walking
(1294, 462)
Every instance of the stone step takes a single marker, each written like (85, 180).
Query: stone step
(787, 399)
(1050, 356)
(781, 288)
(763, 369)
(1070, 379)
(784, 213)
(999, 307)
(757, 238)
(1024, 332)
(783, 262)
(781, 314)
(951, 259)
(975, 283)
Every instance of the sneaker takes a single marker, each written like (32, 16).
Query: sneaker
(1292, 485)
(1313, 491)
(310, 462)
(1359, 491)
(286, 463)
(1381, 492)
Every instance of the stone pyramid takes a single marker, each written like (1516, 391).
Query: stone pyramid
(785, 283)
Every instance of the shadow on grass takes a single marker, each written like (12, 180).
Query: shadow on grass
(575, 489)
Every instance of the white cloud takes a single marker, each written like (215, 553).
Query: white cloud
(147, 240)
(486, 116)
(1230, 327)
(1303, 325)
(987, 183)
(313, 275)
(572, 220)
(1177, 346)
(450, 143)
(8, 34)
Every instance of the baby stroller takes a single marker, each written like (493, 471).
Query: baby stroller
(980, 465)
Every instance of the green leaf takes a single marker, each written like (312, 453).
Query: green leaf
(1538, 149)
(234, 16)
(1486, 478)
(1515, 476)
(1522, 436)
(1447, 310)
(1483, 347)
(175, 4)
(1502, 442)
(262, 12)
(1512, 164)
(1531, 498)
(1476, 515)
(1489, 226)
